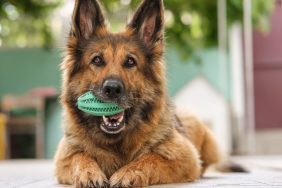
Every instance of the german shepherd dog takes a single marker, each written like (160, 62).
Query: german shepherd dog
(151, 144)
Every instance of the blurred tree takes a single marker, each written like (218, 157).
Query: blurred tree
(26, 23)
(190, 24)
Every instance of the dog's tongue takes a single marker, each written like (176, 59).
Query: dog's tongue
(115, 117)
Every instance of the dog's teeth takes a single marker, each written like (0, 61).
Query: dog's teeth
(105, 119)
(120, 119)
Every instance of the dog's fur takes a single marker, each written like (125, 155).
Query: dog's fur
(157, 146)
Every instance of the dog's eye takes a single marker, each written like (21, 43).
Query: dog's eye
(97, 61)
(130, 62)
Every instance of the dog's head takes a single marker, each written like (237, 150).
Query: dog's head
(125, 68)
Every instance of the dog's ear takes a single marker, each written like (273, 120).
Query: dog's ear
(148, 21)
(87, 18)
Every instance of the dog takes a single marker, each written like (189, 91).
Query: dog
(151, 144)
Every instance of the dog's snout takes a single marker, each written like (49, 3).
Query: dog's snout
(113, 88)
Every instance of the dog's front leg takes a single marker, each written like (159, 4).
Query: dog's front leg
(170, 163)
(87, 173)
(78, 169)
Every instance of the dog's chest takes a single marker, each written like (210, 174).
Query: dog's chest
(110, 161)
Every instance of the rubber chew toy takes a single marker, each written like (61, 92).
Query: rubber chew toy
(90, 104)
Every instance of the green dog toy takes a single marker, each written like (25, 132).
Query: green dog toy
(90, 104)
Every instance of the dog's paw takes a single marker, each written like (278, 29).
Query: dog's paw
(90, 179)
(129, 177)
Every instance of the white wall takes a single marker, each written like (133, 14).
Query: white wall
(209, 105)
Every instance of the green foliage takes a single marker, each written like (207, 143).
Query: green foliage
(26, 23)
(190, 24)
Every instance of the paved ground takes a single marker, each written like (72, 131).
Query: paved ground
(265, 172)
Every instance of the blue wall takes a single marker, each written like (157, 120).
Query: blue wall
(23, 69)
(207, 64)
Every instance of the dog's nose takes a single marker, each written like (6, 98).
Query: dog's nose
(113, 88)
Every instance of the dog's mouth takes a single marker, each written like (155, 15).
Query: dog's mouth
(113, 124)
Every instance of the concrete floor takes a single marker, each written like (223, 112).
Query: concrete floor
(266, 141)
(265, 172)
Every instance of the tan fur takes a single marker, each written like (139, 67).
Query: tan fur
(174, 160)
(155, 147)
(203, 140)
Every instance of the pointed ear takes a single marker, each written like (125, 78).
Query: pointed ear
(87, 17)
(148, 21)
